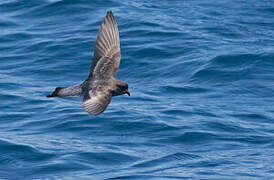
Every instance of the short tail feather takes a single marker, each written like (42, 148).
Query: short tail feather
(67, 91)
(55, 92)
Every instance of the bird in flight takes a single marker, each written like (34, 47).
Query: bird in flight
(101, 84)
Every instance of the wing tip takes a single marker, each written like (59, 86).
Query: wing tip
(109, 13)
(92, 107)
(89, 110)
(110, 16)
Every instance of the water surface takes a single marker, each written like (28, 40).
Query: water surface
(200, 74)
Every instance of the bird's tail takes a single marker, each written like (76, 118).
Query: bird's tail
(67, 91)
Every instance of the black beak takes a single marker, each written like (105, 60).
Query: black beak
(128, 93)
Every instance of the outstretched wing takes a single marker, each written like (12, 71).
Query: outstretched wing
(96, 101)
(107, 44)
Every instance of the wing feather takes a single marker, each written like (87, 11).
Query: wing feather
(107, 43)
(96, 101)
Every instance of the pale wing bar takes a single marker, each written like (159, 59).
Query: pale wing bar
(104, 69)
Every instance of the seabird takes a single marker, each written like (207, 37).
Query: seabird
(101, 84)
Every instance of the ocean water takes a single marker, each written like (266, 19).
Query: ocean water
(201, 80)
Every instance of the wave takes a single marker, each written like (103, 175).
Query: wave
(230, 68)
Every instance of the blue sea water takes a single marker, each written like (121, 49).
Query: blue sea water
(201, 80)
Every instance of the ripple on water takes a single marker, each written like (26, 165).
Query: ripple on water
(16, 155)
(166, 159)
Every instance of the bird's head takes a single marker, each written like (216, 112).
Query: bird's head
(125, 90)
(121, 88)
